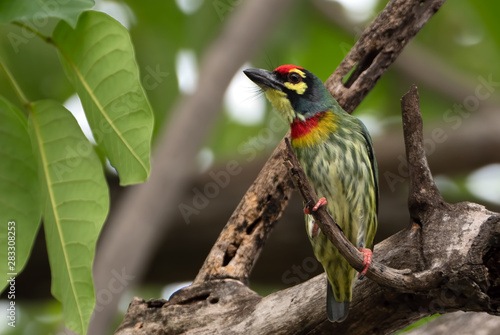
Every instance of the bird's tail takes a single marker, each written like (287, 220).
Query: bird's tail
(336, 311)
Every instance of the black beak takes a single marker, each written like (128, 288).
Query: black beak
(264, 79)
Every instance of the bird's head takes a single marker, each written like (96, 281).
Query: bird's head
(293, 91)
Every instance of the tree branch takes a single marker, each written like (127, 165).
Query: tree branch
(424, 193)
(377, 48)
(417, 63)
(453, 245)
(240, 242)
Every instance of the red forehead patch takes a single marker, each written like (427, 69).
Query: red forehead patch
(284, 69)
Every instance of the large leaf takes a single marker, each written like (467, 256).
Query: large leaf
(19, 192)
(22, 10)
(99, 60)
(76, 204)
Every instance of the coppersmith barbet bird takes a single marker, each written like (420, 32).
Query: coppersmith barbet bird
(335, 150)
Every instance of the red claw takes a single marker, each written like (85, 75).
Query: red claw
(306, 210)
(321, 202)
(367, 260)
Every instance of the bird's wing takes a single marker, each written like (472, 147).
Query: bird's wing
(373, 161)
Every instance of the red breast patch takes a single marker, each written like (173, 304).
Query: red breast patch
(300, 128)
(284, 69)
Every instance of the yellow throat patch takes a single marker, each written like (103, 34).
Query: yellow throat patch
(281, 103)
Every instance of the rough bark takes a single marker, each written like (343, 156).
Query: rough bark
(377, 48)
(242, 239)
(418, 63)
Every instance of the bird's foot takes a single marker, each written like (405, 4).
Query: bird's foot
(321, 202)
(367, 260)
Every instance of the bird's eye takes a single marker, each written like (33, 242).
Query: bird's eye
(294, 78)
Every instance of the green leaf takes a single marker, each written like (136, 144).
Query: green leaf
(19, 191)
(76, 203)
(28, 10)
(99, 60)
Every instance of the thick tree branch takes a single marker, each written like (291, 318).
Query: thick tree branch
(462, 243)
(417, 63)
(240, 242)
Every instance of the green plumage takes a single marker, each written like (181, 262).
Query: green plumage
(342, 170)
(336, 153)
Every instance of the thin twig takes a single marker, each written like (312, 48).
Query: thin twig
(401, 280)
